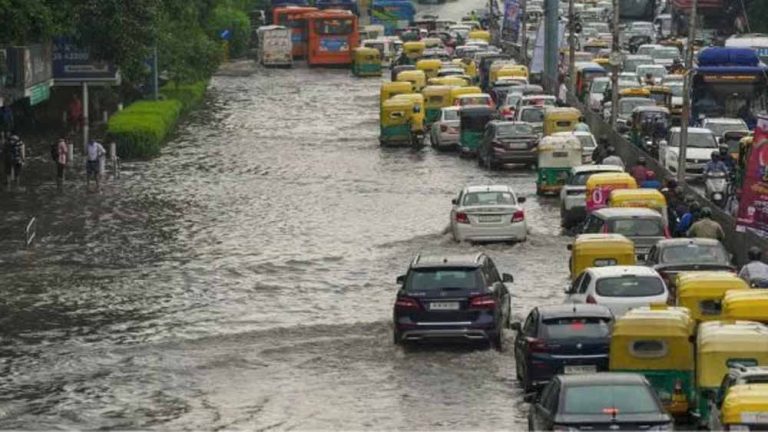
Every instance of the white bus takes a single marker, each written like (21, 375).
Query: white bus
(275, 46)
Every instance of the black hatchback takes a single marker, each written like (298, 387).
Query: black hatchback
(603, 401)
(459, 297)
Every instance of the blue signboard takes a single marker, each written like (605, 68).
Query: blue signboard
(73, 64)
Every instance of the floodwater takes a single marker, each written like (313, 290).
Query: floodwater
(245, 278)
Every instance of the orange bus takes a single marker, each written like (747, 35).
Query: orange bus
(333, 34)
(293, 18)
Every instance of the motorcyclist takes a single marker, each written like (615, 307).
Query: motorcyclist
(688, 217)
(613, 158)
(755, 272)
(640, 171)
(715, 165)
(706, 227)
(727, 159)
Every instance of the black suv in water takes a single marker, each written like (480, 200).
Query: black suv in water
(461, 297)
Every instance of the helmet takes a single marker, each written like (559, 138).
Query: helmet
(641, 160)
(715, 155)
(611, 150)
(706, 212)
(672, 183)
(754, 253)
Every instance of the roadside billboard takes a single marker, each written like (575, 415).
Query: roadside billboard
(73, 65)
(512, 19)
(753, 202)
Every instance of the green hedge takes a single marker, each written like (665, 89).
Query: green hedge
(141, 128)
(190, 95)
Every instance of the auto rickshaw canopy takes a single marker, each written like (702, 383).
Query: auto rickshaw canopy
(653, 339)
(703, 292)
(751, 305)
(745, 404)
(600, 250)
(724, 344)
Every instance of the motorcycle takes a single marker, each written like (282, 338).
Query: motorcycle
(716, 188)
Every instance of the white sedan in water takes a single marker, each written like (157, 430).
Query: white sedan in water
(488, 213)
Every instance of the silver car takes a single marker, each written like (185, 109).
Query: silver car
(488, 213)
(445, 131)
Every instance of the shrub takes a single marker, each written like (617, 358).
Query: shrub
(237, 22)
(190, 95)
(141, 129)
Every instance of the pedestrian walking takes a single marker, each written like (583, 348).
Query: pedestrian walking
(75, 114)
(15, 156)
(6, 122)
(756, 271)
(706, 227)
(95, 152)
(60, 155)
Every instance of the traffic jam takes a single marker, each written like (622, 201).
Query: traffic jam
(658, 326)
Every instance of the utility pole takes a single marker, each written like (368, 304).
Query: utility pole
(524, 32)
(685, 116)
(616, 63)
(551, 46)
(571, 49)
(155, 73)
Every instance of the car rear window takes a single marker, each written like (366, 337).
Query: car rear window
(449, 115)
(577, 327)
(488, 198)
(608, 399)
(512, 130)
(534, 115)
(580, 179)
(693, 253)
(637, 227)
(429, 279)
(629, 286)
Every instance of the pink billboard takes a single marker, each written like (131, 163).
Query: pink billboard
(753, 202)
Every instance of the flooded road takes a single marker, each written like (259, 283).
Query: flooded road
(245, 278)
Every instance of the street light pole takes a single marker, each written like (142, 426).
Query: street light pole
(685, 116)
(616, 54)
(571, 49)
(524, 32)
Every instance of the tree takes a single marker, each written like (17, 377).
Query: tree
(26, 21)
(758, 16)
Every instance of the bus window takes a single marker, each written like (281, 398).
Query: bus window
(334, 27)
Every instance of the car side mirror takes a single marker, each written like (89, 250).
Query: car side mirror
(516, 326)
(569, 246)
(520, 200)
(400, 279)
(506, 277)
(720, 140)
(454, 201)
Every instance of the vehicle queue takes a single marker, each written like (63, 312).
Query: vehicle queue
(668, 317)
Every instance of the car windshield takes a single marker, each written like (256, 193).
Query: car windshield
(513, 130)
(637, 227)
(630, 286)
(512, 99)
(427, 279)
(587, 141)
(677, 89)
(694, 254)
(580, 179)
(599, 86)
(666, 53)
(608, 399)
(450, 115)
(625, 85)
(627, 105)
(488, 198)
(656, 72)
(532, 115)
(719, 129)
(577, 327)
(695, 140)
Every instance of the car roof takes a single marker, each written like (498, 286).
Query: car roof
(746, 371)
(622, 270)
(458, 260)
(600, 168)
(488, 188)
(726, 120)
(574, 310)
(602, 378)
(508, 122)
(685, 241)
(617, 212)
(691, 130)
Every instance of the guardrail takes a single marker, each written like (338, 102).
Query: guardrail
(30, 232)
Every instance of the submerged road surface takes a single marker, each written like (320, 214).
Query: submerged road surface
(245, 278)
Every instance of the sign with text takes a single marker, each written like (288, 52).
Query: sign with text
(753, 203)
(74, 64)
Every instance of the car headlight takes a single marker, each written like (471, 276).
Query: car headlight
(717, 196)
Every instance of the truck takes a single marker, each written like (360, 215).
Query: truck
(275, 46)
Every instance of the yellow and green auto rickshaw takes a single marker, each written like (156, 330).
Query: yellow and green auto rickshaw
(702, 292)
(749, 305)
(512, 71)
(600, 250)
(366, 62)
(657, 343)
(472, 122)
(435, 99)
(430, 67)
(496, 66)
(648, 126)
(560, 119)
(662, 95)
(402, 121)
(414, 50)
(635, 92)
(557, 155)
(721, 345)
(417, 79)
(482, 35)
(745, 408)
(646, 198)
(595, 45)
(389, 89)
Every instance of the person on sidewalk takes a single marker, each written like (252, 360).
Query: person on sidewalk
(60, 155)
(755, 272)
(93, 163)
(75, 114)
(706, 227)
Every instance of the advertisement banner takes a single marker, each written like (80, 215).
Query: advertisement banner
(512, 19)
(753, 202)
(74, 64)
(598, 198)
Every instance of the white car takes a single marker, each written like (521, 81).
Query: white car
(488, 213)
(657, 72)
(574, 193)
(619, 288)
(597, 92)
(445, 131)
(719, 126)
(701, 144)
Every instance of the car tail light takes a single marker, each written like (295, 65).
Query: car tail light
(536, 345)
(518, 216)
(482, 302)
(462, 218)
(407, 303)
(591, 299)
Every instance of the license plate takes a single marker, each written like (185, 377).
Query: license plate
(449, 306)
(558, 154)
(754, 417)
(576, 370)
(486, 219)
(518, 146)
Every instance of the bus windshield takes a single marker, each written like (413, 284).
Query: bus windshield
(334, 26)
